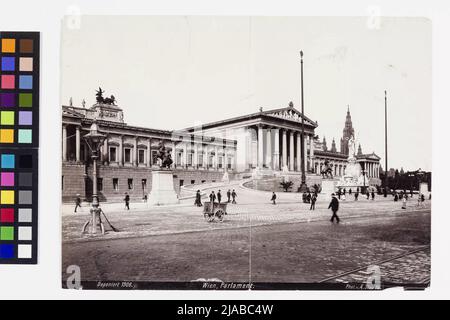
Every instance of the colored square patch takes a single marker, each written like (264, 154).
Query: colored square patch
(8, 45)
(25, 118)
(8, 81)
(25, 161)
(6, 136)
(25, 197)
(25, 215)
(6, 233)
(24, 251)
(7, 179)
(25, 64)
(25, 99)
(7, 197)
(7, 161)
(25, 82)
(26, 45)
(6, 251)
(25, 136)
(25, 234)
(7, 215)
(8, 63)
(7, 100)
(7, 118)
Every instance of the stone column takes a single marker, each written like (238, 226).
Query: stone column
(149, 152)
(260, 148)
(184, 162)
(205, 156)
(225, 159)
(135, 153)
(105, 151)
(284, 141)
(291, 151)
(195, 159)
(77, 143)
(269, 149)
(276, 150)
(121, 151)
(311, 151)
(299, 147)
(64, 142)
(216, 158)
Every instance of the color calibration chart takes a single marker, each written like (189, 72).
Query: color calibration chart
(19, 142)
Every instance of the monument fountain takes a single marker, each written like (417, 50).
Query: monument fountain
(353, 177)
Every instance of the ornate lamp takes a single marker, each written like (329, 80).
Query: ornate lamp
(94, 139)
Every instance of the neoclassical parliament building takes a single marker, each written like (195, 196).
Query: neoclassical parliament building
(266, 142)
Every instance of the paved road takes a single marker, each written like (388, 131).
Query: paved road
(298, 251)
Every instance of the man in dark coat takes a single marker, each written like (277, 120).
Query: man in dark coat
(77, 203)
(274, 198)
(127, 201)
(356, 195)
(198, 199)
(229, 195)
(334, 205)
(234, 195)
(212, 197)
(373, 195)
(313, 202)
(219, 196)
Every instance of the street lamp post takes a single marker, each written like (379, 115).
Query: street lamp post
(94, 140)
(303, 186)
(385, 143)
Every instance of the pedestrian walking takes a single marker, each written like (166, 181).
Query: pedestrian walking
(395, 197)
(334, 206)
(229, 195)
(127, 201)
(356, 195)
(339, 193)
(234, 195)
(198, 199)
(350, 191)
(77, 203)
(313, 202)
(145, 197)
(344, 192)
(373, 195)
(274, 198)
(219, 196)
(368, 194)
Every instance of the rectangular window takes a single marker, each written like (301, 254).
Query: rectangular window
(203, 181)
(179, 155)
(130, 184)
(200, 160)
(190, 159)
(181, 182)
(210, 161)
(112, 154)
(127, 153)
(99, 184)
(192, 181)
(141, 156)
(220, 162)
(116, 184)
(229, 163)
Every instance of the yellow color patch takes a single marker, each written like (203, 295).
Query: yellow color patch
(6, 136)
(9, 45)
(7, 197)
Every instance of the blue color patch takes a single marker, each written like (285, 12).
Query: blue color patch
(8, 161)
(6, 251)
(8, 63)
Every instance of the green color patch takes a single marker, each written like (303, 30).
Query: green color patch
(7, 118)
(6, 233)
(25, 100)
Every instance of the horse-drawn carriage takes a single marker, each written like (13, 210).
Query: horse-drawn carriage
(216, 210)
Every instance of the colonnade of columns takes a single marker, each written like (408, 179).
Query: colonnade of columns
(286, 155)
(372, 169)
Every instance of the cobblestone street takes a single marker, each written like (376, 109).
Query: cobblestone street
(257, 242)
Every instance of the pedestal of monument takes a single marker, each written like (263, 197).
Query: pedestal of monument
(163, 192)
(328, 186)
(423, 189)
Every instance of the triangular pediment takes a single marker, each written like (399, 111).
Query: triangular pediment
(291, 114)
(66, 111)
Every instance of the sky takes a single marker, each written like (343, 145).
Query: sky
(173, 72)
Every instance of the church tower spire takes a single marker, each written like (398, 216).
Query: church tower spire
(347, 133)
(333, 146)
(359, 150)
(324, 144)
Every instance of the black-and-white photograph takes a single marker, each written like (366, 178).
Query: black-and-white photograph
(237, 152)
